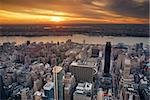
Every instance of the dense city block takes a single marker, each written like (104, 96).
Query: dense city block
(73, 71)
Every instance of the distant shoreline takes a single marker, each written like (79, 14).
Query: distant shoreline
(121, 30)
(32, 35)
(69, 35)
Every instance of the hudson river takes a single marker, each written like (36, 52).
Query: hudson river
(76, 38)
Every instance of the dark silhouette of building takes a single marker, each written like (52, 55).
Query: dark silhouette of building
(106, 79)
(107, 57)
(2, 91)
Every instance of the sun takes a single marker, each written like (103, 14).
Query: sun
(56, 19)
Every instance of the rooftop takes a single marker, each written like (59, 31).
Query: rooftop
(48, 86)
(127, 61)
(38, 93)
(57, 69)
(90, 62)
(84, 88)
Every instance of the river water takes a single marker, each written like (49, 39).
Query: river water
(76, 38)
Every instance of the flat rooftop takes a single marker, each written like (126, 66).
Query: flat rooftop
(83, 88)
(48, 86)
(90, 62)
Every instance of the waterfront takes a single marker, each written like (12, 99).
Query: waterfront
(76, 38)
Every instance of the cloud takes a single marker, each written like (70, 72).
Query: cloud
(132, 8)
(83, 9)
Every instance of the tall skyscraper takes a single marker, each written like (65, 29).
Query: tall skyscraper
(58, 74)
(2, 91)
(106, 79)
(107, 57)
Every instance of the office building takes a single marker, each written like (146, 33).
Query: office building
(127, 77)
(84, 71)
(69, 86)
(58, 74)
(129, 93)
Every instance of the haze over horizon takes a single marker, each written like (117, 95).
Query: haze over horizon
(74, 11)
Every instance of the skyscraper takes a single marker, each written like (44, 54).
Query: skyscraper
(107, 57)
(106, 79)
(58, 73)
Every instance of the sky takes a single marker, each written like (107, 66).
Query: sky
(74, 11)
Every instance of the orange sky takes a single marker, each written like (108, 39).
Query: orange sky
(73, 11)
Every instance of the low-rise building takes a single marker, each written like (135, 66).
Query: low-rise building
(84, 91)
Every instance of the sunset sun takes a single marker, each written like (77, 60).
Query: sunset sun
(56, 19)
